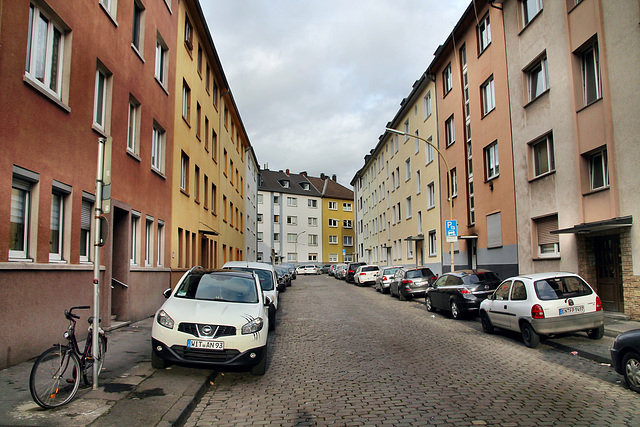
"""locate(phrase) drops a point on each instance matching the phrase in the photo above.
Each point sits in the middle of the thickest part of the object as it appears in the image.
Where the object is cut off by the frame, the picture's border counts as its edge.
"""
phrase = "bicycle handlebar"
(69, 313)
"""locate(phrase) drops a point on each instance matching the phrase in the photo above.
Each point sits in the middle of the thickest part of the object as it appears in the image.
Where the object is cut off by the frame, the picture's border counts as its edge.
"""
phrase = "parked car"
(283, 272)
(292, 269)
(411, 282)
(351, 270)
(384, 279)
(625, 357)
(307, 269)
(213, 318)
(544, 304)
(332, 270)
(365, 275)
(325, 268)
(461, 292)
(341, 272)
(268, 281)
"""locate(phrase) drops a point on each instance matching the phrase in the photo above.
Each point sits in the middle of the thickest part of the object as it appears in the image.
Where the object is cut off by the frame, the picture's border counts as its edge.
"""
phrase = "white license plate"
(572, 310)
(209, 345)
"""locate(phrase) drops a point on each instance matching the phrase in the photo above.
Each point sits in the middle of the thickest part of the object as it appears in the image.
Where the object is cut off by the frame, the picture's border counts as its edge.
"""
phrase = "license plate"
(572, 310)
(208, 345)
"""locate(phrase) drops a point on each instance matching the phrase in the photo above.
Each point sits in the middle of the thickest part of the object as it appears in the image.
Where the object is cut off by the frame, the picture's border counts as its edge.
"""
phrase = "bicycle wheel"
(87, 373)
(55, 377)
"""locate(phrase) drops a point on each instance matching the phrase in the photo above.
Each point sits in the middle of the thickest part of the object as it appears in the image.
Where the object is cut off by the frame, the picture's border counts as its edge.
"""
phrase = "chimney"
(322, 176)
(334, 177)
(304, 173)
(287, 172)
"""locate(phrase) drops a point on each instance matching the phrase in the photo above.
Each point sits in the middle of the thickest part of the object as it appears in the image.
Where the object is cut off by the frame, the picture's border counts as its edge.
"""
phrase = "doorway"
(609, 272)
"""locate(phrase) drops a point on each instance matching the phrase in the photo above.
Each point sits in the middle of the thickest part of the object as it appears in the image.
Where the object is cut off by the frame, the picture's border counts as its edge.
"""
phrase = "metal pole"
(96, 263)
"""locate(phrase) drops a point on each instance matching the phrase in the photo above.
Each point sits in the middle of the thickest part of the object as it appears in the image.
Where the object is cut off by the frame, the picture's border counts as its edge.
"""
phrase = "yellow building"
(209, 146)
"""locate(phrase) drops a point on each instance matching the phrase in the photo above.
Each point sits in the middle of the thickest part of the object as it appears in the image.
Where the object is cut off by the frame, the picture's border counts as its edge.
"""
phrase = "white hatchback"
(365, 275)
(215, 319)
(544, 304)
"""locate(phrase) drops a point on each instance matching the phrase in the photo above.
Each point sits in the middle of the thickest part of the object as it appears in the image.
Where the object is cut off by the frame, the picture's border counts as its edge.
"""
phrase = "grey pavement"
(131, 392)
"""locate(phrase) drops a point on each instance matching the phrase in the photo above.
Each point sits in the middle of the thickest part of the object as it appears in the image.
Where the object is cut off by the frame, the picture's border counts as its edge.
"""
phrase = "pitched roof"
(331, 189)
(276, 181)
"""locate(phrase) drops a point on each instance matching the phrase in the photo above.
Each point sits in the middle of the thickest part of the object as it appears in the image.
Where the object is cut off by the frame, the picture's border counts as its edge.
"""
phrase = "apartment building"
(289, 218)
(575, 141)
(475, 137)
(208, 204)
(338, 227)
(252, 171)
(397, 192)
(71, 75)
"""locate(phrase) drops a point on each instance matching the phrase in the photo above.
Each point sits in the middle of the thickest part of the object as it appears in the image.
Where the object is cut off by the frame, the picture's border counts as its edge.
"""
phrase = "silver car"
(384, 278)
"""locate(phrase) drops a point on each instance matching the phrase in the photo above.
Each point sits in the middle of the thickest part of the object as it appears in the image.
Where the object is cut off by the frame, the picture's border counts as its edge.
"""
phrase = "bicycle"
(55, 376)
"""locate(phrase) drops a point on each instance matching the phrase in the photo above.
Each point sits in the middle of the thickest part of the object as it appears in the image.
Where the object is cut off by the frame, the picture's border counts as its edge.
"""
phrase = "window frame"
(592, 47)
(450, 131)
(526, 19)
(133, 126)
(158, 148)
(540, 76)
(603, 166)
(547, 141)
(162, 61)
(447, 79)
(102, 99)
(484, 34)
(487, 90)
(492, 161)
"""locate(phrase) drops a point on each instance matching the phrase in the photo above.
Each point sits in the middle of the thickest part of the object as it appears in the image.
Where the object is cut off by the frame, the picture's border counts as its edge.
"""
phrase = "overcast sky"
(316, 81)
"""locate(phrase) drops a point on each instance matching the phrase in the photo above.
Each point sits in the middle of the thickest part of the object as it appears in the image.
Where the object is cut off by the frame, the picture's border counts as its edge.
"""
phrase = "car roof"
(460, 273)
(539, 276)
(248, 264)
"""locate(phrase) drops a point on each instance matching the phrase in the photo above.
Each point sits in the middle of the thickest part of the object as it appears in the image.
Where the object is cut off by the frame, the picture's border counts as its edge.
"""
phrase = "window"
(418, 184)
(199, 59)
(428, 152)
(214, 200)
(102, 99)
(196, 184)
(406, 130)
(398, 176)
(276, 237)
(591, 74)
(530, 8)
(313, 240)
(537, 79)
(488, 96)
(260, 199)
(198, 119)
(431, 195)
(110, 6)
(137, 36)
(45, 52)
(312, 203)
(494, 231)
(57, 227)
(188, 34)
(285, 183)
(305, 186)
(160, 244)
(347, 207)
(333, 257)
(333, 239)
(491, 160)
(408, 208)
(410, 249)
(333, 222)
(433, 248)
(276, 200)
(454, 179)
(447, 79)
(135, 243)
(20, 218)
(85, 228)
(548, 244)
(162, 61)
(148, 242)
(186, 101)
(427, 105)
(292, 201)
(407, 170)
(599, 169)
(276, 219)
(133, 133)
(484, 34)
(347, 240)
(184, 173)
(313, 221)
(333, 206)
(543, 157)
(450, 132)
(259, 236)
(292, 220)
(158, 144)
(347, 223)
(206, 191)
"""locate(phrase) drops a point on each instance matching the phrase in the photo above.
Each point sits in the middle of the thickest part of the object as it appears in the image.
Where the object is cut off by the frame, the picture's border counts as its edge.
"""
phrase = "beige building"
(397, 192)
(574, 115)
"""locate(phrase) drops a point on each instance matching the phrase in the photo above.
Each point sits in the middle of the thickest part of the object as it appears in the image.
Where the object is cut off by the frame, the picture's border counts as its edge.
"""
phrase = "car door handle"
(505, 306)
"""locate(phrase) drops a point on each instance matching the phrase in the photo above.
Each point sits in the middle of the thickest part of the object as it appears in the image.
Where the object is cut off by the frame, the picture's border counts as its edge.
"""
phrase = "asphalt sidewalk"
(131, 392)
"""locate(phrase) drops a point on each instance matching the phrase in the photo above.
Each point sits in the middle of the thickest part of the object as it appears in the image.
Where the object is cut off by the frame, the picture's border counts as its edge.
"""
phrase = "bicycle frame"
(70, 335)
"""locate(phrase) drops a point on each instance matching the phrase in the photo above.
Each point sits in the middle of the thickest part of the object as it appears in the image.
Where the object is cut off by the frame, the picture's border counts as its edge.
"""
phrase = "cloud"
(317, 81)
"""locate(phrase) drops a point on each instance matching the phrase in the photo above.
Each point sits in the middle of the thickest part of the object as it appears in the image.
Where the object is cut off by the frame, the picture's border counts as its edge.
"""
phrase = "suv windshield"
(421, 272)
(266, 279)
(561, 287)
(218, 287)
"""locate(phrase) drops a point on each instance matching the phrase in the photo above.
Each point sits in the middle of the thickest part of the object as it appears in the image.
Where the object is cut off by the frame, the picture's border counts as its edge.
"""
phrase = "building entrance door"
(609, 272)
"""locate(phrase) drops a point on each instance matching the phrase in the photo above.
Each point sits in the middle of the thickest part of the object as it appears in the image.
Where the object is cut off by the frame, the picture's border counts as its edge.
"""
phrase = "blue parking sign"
(451, 227)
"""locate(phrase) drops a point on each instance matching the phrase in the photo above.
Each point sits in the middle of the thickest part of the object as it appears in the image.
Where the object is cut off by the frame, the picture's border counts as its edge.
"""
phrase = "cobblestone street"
(345, 355)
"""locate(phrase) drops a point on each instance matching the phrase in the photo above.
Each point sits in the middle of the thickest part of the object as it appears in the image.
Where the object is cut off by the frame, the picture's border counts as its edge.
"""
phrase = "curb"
(191, 405)
(581, 353)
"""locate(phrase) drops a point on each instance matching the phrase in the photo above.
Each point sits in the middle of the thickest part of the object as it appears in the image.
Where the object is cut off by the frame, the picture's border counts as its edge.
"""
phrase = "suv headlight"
(164, 319)
(253, 326)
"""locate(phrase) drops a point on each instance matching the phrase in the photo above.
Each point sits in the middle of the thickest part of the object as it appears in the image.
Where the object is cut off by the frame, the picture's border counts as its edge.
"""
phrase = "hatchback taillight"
(537, 312)
(407, 282)
(465, 291)
(598, 303)
(363, 274)
(384, 277)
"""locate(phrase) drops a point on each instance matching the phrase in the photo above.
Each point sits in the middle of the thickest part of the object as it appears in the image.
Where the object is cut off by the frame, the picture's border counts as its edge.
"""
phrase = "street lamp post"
(450, 182)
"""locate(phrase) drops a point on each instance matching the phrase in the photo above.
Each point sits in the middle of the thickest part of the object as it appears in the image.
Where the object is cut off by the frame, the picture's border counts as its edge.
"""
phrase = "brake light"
(537, 312)
(407, 282)
(598, 303)
(363, 274)
(465, 291)
(384, 277)
(351, 271)
(434, 278)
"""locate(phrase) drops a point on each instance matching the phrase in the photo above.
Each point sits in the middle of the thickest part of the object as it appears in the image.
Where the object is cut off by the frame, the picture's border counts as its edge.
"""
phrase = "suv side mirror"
(167, 293)
(267, 301)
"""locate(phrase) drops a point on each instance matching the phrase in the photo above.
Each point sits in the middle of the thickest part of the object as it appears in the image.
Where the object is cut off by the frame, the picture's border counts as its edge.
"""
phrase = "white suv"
(365, 275)
(213, 318)
(268, 281)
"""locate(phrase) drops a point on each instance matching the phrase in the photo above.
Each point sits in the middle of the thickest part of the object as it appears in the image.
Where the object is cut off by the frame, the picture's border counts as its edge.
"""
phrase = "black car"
(351, 269)
(625, 357)
(408, 283)
(286, 276)
(292, 269)
(461, 292)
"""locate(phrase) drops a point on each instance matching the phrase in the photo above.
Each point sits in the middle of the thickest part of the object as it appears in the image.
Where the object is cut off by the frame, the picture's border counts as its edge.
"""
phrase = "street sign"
(451, 229)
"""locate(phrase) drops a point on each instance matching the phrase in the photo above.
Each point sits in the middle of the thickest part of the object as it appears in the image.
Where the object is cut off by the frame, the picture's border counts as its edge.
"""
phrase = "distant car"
(625, 356)
(332, 270)
(544, 304)
(341, 272)
(292, 269)
(411, 282)
(325, 268)
(365, 275)
(461, 291)
(307, 269)
(213, 318)
(384, 279)
(286, 277)
(351, 270)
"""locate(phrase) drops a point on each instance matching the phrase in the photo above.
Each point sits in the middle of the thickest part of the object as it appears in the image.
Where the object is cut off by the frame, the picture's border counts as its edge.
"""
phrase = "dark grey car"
(410, 283)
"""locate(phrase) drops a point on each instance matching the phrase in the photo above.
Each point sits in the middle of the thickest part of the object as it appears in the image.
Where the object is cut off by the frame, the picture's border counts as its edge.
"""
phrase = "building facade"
(251, 205)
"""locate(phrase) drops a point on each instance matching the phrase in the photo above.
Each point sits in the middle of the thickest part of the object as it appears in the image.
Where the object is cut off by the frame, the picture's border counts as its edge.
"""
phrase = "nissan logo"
(207, 330)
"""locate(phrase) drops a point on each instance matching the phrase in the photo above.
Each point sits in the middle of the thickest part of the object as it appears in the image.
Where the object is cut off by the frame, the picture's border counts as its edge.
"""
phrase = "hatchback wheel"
(596, 333)
(427, 302)
(529, 336)
(487, 326)
(455, 310)
(631, 363)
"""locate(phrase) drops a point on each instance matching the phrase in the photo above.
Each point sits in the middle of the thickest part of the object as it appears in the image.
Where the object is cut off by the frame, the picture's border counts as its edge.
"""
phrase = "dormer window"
(305, 186)
(285, 183)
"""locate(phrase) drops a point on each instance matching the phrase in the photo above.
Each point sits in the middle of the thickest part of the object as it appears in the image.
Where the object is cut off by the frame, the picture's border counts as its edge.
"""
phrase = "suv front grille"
(196, 329)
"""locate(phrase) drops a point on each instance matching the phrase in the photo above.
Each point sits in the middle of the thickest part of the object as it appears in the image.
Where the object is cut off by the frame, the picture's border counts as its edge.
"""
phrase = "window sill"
(35, 84)
(546, 258)
(184, 192)
(589, 104)
(166, 91)
(530, 21)
(486, 48)
(186, 121)
(134, 155)
(157, 172)
(598, 190)
(543, 93)
(108, 12)
(544, 175)
(99, 131)
(135, 49)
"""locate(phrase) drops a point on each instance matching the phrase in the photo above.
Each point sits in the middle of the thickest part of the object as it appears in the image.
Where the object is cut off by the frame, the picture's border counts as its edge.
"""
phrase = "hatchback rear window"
(488, 276)
(561, 288)
(421, 272)
(389, 271)
(372, 268)
(212, 287)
